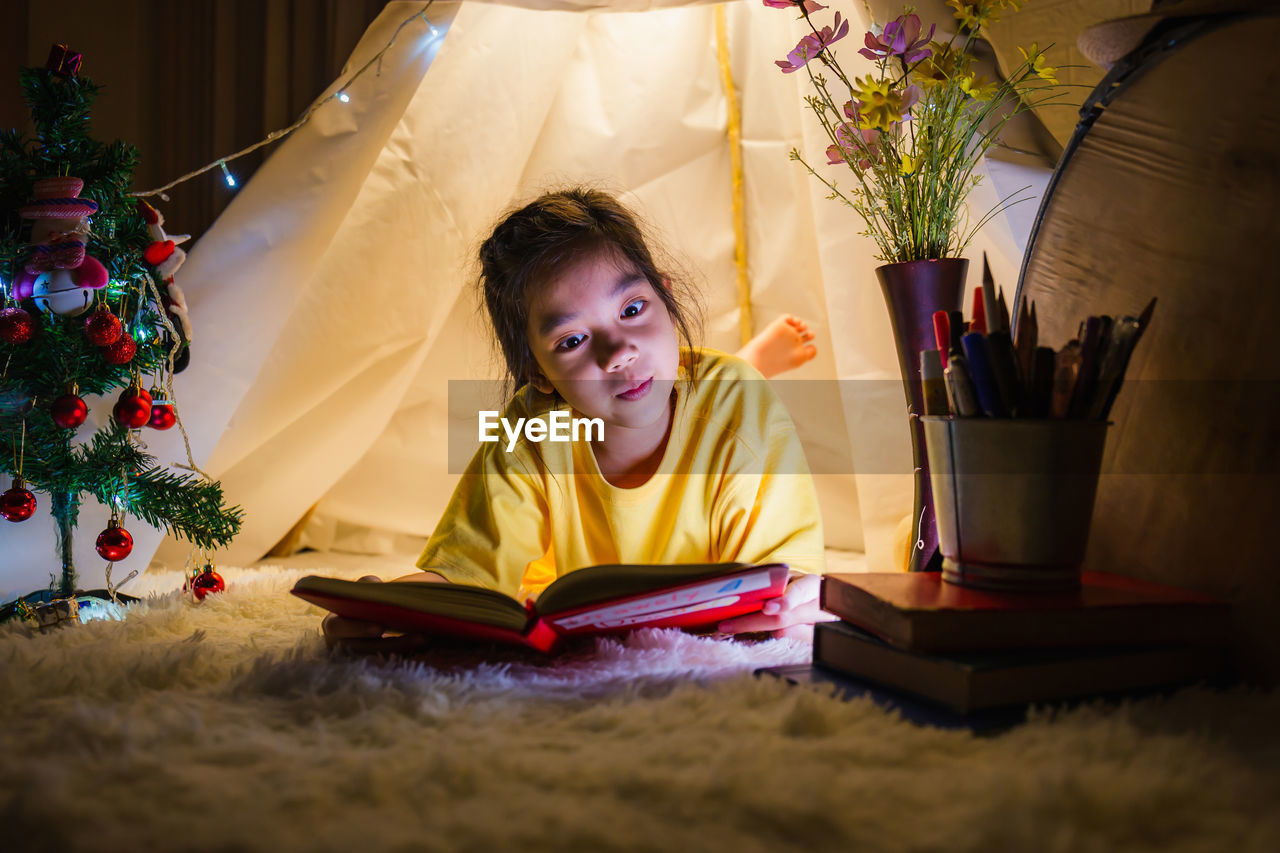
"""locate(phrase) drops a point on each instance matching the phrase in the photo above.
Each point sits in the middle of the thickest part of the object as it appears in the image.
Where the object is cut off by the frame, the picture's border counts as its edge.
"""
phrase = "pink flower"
(809, 6)
(910, 96)
(901, 37)
(859, 148)
(812, 45)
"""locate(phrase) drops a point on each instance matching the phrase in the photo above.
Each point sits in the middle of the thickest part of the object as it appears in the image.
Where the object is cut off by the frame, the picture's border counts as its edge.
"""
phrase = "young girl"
(698, 461)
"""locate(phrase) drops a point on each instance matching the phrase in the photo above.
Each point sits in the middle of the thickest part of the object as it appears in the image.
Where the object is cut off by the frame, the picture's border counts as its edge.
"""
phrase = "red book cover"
(920, 611)
(594, 600)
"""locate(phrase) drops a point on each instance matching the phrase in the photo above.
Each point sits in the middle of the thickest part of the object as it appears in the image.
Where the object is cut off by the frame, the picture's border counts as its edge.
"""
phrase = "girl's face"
(604, 340)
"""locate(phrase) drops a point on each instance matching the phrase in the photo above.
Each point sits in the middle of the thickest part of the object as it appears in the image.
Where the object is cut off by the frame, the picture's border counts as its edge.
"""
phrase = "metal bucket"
(1014, 499)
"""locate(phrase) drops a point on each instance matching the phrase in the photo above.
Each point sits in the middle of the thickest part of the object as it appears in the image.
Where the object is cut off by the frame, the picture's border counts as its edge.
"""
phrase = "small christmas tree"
(89, 308)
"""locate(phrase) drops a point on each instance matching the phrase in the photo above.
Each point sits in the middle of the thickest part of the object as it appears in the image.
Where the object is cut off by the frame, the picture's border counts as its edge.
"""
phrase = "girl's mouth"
(638, 391)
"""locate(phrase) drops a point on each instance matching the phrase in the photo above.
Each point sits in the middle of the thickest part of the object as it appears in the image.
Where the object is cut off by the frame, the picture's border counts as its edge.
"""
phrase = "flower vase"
(913, 291)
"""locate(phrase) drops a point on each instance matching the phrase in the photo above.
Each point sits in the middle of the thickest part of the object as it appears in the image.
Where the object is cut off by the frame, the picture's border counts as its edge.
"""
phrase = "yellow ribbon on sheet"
(735, 165)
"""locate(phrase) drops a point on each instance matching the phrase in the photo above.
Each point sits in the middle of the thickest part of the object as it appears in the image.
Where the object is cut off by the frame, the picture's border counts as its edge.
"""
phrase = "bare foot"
(783, 345)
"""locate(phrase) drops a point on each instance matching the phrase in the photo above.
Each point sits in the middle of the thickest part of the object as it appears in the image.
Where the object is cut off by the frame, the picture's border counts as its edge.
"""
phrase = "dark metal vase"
(913, 290)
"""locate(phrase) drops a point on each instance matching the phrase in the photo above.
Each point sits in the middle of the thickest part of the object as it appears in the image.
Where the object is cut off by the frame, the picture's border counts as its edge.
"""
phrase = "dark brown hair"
(531, 243)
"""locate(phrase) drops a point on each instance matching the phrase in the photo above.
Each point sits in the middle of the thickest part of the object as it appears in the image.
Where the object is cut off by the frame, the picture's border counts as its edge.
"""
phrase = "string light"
(339, 95)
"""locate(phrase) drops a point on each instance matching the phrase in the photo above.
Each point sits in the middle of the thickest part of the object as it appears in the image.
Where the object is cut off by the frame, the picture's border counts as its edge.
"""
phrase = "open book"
(592, 600)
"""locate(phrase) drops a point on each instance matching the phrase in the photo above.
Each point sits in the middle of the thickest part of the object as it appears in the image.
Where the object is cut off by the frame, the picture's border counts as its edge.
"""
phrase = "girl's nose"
(617, 354)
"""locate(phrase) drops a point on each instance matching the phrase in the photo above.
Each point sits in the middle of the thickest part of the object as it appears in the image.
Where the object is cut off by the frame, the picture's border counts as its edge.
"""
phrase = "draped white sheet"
(333, 302)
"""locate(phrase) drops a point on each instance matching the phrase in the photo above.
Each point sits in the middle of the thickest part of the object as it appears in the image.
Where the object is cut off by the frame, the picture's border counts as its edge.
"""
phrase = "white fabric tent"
(333, 299)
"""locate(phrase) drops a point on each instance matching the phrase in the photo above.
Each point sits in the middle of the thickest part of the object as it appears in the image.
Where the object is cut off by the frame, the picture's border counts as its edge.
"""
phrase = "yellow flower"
(978, 15)
(941, 66)
(1034, 57)
(977, 87)
(878, 105)
(907, 165)
(968, 14)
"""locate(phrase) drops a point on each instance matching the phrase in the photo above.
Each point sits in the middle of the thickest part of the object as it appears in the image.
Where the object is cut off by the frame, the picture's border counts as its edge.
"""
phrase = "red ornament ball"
(16, 326)
(206, 582)
(120, 352)
(68, 411)
(17, 504)
(103, 328)
(133, 409)
(114, 543)
(162, 416)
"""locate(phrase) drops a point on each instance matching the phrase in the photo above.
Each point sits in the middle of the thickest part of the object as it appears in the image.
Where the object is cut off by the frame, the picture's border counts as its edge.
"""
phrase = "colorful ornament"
(57, 292)
(16, 326)
(133, 409)
(68, 411)
(122, 351)
(114, 543)
(63, 60)
(58, 273)
(18, 503)
(164, 254)
(163, 415)
(205, 582)
(102, 328)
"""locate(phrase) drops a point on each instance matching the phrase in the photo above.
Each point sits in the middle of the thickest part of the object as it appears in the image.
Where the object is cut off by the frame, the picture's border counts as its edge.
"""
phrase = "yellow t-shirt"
(733, 486)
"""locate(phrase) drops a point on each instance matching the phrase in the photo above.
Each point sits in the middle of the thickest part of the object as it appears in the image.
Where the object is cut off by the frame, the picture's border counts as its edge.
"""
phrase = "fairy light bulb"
(431, 28)
(226, 173)
(343, 96)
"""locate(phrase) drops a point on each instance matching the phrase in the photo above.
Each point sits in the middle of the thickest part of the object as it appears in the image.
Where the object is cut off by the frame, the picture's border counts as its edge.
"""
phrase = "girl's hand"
(791, 614)
(338, 629)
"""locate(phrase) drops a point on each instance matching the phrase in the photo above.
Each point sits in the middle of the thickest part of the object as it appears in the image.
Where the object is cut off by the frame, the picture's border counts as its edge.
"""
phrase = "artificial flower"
(812, 45)
(977, 87)
(922, 117)
(901, 37)
(809, 7)
(966, 13)
(942, 64)
(880, 105)
(857, 147)
(1036, 62)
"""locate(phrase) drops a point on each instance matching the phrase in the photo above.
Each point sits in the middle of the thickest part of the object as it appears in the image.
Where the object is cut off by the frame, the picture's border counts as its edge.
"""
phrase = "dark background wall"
(187, 81)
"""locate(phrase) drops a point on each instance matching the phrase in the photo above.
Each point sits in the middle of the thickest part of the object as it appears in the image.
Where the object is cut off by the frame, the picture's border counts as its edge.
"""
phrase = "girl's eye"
(571, 342)
(633, 308)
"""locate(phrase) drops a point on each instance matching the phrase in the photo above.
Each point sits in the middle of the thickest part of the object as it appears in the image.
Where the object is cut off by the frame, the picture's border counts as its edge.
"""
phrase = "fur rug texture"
(226, 726)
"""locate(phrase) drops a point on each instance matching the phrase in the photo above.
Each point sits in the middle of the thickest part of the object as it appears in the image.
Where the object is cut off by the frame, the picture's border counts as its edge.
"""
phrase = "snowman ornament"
(58, 274)
(166, 256)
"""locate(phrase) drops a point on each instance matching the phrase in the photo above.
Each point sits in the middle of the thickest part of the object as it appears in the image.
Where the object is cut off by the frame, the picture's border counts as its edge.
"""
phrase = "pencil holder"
(1014, 498)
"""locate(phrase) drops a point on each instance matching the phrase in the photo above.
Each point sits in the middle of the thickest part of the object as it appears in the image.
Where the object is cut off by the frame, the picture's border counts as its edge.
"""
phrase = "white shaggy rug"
(225, 726)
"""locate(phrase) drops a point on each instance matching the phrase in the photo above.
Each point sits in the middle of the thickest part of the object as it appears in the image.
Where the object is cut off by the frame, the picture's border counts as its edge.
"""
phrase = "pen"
(1092, 345)
(964, 402)
(1066, 368)
(1004, 363)
(942, 331)
(991, 314)
(979, 321)
(932, 383)
(977, 349)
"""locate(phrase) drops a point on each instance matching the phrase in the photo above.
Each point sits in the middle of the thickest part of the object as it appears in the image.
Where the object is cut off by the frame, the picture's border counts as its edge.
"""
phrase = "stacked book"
(970, 649)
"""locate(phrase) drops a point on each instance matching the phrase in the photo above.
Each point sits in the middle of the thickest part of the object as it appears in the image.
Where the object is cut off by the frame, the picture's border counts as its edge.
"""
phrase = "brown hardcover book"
(918, 611)
(972, 681)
